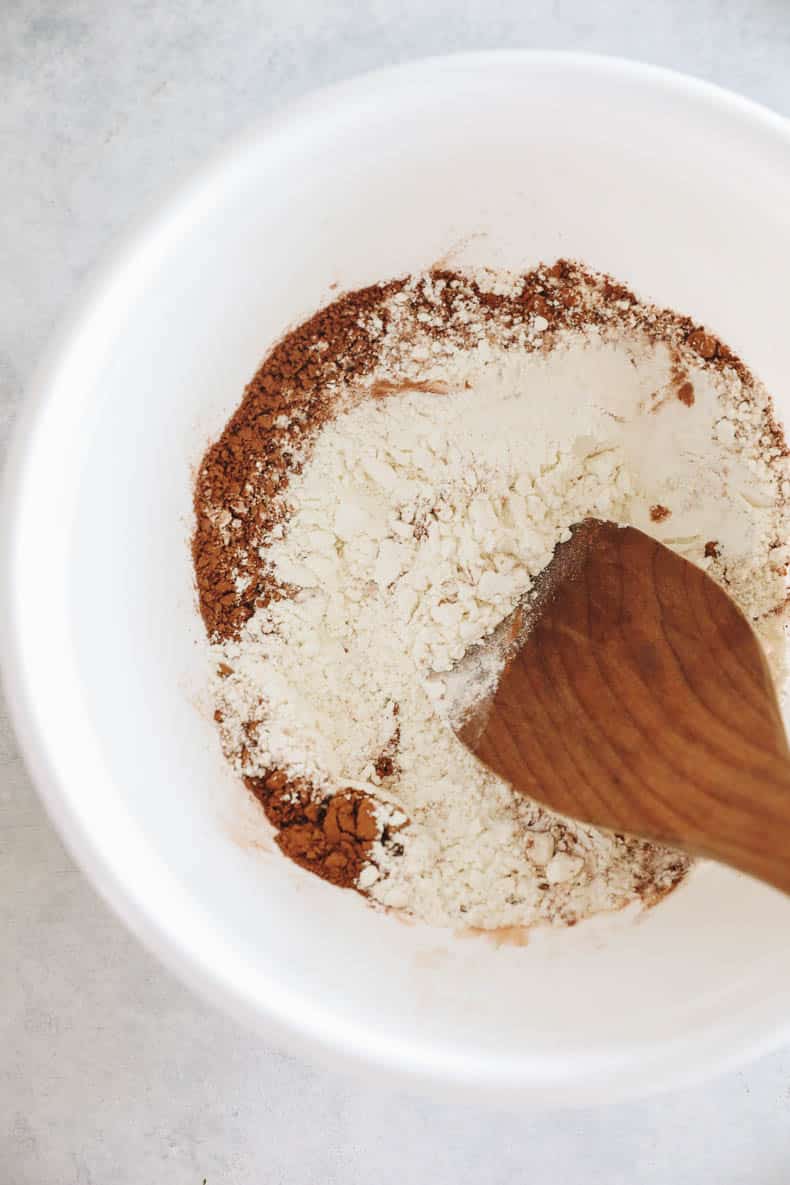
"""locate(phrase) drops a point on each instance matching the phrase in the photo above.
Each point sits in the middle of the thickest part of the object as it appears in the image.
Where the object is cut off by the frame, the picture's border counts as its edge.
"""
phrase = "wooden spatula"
(641, 702)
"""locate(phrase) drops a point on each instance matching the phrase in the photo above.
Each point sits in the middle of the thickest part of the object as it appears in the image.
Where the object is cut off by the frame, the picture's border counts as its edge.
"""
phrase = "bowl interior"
(674, 188)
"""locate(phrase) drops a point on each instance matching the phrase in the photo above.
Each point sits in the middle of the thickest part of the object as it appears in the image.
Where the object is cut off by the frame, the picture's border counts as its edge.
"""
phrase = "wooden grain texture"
(641, 702)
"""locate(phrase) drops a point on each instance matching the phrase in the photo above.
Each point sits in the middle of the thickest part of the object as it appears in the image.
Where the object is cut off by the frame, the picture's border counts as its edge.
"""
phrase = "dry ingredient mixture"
(396, 478)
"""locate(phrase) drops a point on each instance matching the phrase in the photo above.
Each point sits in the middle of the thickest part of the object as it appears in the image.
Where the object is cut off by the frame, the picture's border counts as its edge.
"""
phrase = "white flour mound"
(417, 524)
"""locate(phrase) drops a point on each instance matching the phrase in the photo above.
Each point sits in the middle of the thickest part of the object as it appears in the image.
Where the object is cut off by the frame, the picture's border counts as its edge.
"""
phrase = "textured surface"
(110, 1071)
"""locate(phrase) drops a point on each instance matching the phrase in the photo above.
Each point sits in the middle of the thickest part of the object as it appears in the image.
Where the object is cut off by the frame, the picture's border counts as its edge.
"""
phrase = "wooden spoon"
(641, 702)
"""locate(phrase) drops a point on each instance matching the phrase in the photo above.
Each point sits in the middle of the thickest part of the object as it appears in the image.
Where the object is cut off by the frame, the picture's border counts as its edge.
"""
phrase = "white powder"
(417, 524)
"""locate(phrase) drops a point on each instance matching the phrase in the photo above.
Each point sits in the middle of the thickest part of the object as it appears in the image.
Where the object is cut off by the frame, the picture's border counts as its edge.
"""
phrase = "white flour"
(417, 524)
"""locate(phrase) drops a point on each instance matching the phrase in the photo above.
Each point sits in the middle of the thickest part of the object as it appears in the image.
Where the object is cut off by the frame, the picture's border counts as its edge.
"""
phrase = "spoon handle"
(756, 841)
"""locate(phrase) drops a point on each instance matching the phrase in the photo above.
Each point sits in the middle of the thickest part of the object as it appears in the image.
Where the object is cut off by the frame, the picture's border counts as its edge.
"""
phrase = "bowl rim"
(675, 1064)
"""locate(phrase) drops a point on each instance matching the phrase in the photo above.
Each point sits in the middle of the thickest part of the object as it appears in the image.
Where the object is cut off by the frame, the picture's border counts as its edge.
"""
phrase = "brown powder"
(658, 513)
(704, 343)
(243, 479)
(240, 495)
(331, 838)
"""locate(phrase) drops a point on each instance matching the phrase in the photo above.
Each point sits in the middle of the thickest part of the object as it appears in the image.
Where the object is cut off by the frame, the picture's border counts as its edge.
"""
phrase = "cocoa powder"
(243, 479)
(240, 495)
(686, 393)
(331, 838)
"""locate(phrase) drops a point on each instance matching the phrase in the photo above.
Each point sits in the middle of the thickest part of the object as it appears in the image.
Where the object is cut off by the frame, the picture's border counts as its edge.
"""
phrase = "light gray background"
(110, 1073)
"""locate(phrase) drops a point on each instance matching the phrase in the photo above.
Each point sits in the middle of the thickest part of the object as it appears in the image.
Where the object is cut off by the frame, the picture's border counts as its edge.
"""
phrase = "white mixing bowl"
(681, 190)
